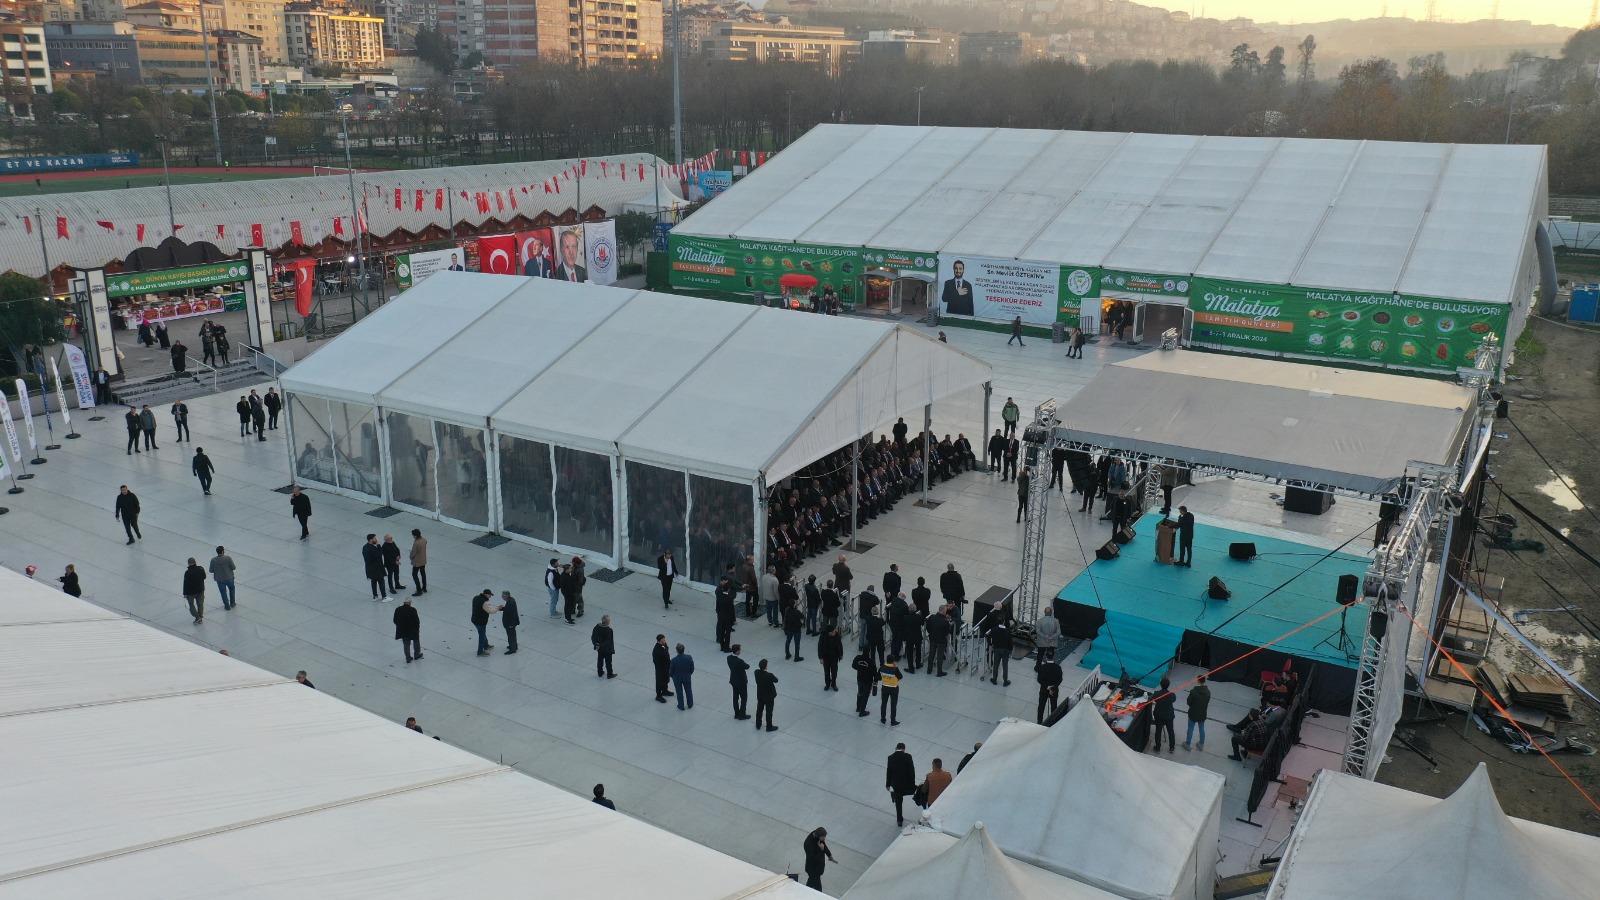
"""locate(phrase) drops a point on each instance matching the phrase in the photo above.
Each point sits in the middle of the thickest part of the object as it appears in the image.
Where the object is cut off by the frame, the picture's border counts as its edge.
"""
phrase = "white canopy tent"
(137, 760)
(1076, 801)
(932, 865)
(1349, 429)
(599, 420)
(1359, 839)
(1438, 220)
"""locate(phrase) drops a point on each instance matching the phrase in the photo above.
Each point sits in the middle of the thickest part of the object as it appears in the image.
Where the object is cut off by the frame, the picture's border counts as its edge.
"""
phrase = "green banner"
(127, 284)
(233, 302)
(1364, 327)
(1078, 284)
(901, 260)
(737, 266)
(1113, 281)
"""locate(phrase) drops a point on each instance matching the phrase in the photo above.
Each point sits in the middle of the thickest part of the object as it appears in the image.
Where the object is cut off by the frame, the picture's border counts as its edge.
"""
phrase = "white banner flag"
(11, 428)
(61, 395)
(79, 365)
(27, 415)
(601, 239)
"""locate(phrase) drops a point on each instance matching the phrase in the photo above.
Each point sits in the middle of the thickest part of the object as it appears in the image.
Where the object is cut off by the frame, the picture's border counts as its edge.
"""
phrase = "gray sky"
(1572, 13)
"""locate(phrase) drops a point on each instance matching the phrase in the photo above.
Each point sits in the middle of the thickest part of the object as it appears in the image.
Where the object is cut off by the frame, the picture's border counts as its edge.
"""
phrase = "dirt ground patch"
(1549, 461)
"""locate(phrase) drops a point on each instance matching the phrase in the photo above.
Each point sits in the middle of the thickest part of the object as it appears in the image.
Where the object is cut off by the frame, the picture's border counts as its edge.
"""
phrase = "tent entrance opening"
(1142, 320)
(889, 293)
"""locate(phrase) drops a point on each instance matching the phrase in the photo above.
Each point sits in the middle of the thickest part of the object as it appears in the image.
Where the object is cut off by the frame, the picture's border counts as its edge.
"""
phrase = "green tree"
(634, 229)
(433, 49)
(26, 317)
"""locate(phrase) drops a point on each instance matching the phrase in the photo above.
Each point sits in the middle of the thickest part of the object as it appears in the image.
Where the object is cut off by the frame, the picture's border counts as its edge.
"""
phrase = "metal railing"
(202, 366)
(265, 362)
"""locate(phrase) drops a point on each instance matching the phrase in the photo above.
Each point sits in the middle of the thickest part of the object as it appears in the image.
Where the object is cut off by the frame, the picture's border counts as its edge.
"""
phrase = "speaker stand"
(1342, 642)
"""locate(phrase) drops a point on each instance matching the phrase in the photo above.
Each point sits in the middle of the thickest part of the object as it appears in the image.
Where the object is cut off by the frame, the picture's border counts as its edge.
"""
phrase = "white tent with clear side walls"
(1073, 799)
(931, 865)
(137, 760)
(1359, 839)
(601, 421)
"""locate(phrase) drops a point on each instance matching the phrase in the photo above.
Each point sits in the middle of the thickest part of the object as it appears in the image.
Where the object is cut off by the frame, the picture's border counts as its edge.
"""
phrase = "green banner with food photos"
(738, 266)
(1365, 327)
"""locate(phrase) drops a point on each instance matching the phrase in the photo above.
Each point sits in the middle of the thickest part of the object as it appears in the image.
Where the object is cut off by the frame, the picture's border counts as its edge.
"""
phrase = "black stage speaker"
(1241, 551)
(1306, 500)
(1348, 585)
(1378, 624)
(1217, 590)
(1124, 536)
(1109, 551)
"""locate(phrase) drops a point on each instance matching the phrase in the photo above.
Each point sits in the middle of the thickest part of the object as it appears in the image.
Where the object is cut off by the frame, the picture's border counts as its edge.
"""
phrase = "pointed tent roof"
(931, 865)
(1086, 805)
(1414, 846)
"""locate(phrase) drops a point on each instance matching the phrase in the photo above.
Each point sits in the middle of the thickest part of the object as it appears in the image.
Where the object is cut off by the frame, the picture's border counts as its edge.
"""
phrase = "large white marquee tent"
(932, 865)
(598, 420)
(1074, 800)
(1360, 839)
(141, 766)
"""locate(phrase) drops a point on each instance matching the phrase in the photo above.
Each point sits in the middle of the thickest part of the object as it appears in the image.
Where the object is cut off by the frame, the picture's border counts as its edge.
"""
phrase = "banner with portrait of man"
(998, 289)
(571, 255)
(536, 253)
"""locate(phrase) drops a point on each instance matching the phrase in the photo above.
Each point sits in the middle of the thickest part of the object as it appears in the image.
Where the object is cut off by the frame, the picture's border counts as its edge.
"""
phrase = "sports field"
(21, 185)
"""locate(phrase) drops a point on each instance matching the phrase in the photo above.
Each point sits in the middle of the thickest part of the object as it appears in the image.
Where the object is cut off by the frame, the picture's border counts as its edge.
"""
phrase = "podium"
(1166, 541)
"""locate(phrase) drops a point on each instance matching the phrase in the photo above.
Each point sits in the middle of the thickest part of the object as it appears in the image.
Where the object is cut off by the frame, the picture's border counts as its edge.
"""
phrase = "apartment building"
(99, 49)
(586, 32)
(26, 76)
(760, 42)
(324, 35)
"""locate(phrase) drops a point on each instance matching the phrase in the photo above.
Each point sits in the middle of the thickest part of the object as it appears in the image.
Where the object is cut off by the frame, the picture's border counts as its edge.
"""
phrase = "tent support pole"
(855, 489)
(927, 439)
(983, 439)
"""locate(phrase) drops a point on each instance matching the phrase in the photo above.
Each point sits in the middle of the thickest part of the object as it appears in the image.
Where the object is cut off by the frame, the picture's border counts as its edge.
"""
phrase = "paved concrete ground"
(304, 605)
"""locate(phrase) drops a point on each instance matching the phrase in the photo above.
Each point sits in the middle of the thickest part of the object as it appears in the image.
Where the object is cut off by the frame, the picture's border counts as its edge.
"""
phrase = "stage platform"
(1148, 608)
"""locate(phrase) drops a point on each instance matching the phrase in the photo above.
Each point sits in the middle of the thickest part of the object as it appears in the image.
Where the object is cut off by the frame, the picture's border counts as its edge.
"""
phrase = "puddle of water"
(1560, 494)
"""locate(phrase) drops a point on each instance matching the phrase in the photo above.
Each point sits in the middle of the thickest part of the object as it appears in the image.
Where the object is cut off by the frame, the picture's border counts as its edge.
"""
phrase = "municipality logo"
(1079, 283)
(403, 270)
(603, 255)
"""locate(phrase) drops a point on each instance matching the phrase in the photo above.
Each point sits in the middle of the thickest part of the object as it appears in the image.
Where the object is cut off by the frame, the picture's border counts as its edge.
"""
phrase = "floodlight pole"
(855, 489)
(677, 94)
(166, 179)
(211, 86)
(355, 218)
(919, 91)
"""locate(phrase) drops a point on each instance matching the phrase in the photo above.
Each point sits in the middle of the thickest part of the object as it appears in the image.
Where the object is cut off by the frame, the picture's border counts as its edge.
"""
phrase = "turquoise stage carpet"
(1149, 606)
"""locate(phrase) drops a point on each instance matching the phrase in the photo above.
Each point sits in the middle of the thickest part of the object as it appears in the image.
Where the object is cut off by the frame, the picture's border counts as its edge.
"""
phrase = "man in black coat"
(243, 409)
(509, 620)
(203, 469)
(953, 589)
(794, 622)
(830, 649)
(900, 780)
(300, 508)
(274, 404)
(194, 590)
(866, 677)
(1000, 645)
(817, 857)
(131, 419)
(127, 509)
(372, 559)
(766, 694)
(891, 582)
(666, 573)
(1050, 676)
(997, 449)
(727, 612)
(737, 668)
(1185, 536)
(604, 642)
(391, 563)
(938, 627)
(662, 657)
(408, 630)
(482, 605)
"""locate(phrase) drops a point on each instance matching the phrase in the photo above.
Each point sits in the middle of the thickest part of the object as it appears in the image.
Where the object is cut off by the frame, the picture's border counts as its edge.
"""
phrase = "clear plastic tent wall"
(139, 765)
(602, 421)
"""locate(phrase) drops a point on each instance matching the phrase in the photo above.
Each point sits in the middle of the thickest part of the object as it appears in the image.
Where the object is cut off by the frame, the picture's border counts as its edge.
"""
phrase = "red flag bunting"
(641, 171)
(27, 223)
(61, 227)
(438, 199)
(499, 202)
(397, 200)
(257, 236)
(514, 198)
(106, 225)
(140, 233)
(294, 233)
(420, 194)
(338, 226)
(303, 270)
(583, 167)
(222, 232)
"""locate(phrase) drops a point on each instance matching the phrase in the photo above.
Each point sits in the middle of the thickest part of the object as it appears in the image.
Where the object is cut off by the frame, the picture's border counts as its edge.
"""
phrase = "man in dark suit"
(569, 270)
(737, 668)
(666, 572)
(455, 263)
(681, 668)
(605, 646)
(538, 265)
(957, 294)
(127, 509)
(900, 780)
(766, 694)
(1185, 536)
(509, 620)
(662, 657)
(891, 582)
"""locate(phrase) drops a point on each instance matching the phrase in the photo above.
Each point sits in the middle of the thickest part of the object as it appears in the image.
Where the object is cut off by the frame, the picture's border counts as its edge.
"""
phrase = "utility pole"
(1511, 97)
(211, 85)
(677, 93)
(919, 103)
(166, 178)
(788, 131)
(355, 216)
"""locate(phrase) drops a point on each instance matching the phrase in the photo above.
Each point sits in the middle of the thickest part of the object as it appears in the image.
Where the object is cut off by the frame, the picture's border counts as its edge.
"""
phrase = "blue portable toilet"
(1585, 304)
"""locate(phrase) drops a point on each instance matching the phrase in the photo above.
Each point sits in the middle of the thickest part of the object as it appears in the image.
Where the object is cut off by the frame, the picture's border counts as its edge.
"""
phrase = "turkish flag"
(109, 226)
(438, 198)
(294, 232)
(222, 232)
(61, 227)
(641, 178)
(498, 255)
(257, 237)
(398, 202)
(140, 235)
(420, 194)
(514, 198)
(499, 202)
(583, 167)
(338, 226)
(305, 271)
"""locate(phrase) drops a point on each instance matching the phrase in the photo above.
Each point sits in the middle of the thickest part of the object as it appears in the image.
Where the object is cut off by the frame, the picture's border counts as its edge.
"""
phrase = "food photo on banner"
(744, 267)
(536, 253)
(570, 257)
(998, 289)
(600, 239)
(1390, 329)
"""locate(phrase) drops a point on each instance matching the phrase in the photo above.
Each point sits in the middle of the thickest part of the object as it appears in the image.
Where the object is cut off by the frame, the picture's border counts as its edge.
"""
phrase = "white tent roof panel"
(857, 220)
(1358, 839)
(469, 376)
(27, 607)
(1437, 220)
(645, 352)
(397, 337)
(736, 411)
(1268, 233)
(932, 865)
(1352, 429)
